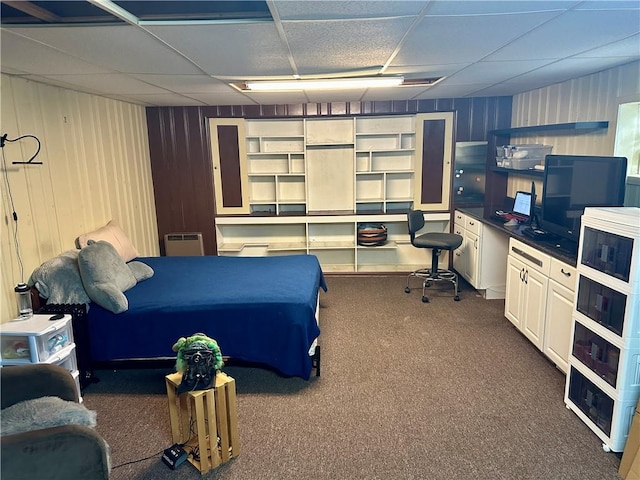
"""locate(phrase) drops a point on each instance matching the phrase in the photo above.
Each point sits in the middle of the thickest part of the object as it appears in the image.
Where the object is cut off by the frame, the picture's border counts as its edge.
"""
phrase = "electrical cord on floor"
(194, 450)
(139, 460)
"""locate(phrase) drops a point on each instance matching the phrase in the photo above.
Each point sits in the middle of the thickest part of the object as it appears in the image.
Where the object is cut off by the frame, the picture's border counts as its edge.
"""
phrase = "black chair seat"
(444, 241)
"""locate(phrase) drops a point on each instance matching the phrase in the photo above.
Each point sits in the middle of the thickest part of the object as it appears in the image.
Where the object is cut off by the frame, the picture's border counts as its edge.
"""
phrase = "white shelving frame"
(332, 238)
(276, 169)
(623, 222)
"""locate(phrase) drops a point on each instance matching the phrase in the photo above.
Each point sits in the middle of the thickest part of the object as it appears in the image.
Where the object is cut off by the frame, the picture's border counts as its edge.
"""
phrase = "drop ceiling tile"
(449, 91)
(232, 49)
(232, 98)
(322, 96)
(493, 7)
(297, 10)
(425, 71)
(609, 5)
(111, 83)
(343, 46)
(26, 55)
(570, 34)
(277, 98)
(59, 82)
(11, 71)
(572, 68)
(615, 49)
(162, 100)
(464, 39)
(493, 72)
(185, 83)
(500, 90)
(400, 93)
(127, 49)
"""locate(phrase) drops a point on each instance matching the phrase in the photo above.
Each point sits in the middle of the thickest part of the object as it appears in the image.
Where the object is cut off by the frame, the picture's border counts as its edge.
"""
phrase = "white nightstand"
(39, 340)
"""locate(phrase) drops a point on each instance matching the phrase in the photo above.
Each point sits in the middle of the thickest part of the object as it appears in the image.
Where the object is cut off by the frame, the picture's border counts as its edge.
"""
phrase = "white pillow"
(113, 234)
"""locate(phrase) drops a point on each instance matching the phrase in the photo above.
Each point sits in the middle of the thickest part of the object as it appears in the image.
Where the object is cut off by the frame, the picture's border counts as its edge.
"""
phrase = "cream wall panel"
(96, 169)
(590, 98)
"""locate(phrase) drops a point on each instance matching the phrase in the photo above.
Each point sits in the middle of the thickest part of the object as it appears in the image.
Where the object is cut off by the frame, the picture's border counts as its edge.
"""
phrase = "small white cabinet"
(539, 299)
(38, 339)
(560, 295)
(481, 259)
(526, 298)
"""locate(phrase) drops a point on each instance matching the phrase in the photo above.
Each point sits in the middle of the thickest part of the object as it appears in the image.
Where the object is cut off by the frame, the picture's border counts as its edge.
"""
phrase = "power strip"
(174, 456)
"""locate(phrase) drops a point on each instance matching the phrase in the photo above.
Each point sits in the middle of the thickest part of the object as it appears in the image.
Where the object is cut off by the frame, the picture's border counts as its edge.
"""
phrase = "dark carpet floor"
(445, 390)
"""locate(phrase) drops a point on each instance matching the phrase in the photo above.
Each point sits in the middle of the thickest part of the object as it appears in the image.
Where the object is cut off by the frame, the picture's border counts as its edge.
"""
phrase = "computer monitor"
(573, 182)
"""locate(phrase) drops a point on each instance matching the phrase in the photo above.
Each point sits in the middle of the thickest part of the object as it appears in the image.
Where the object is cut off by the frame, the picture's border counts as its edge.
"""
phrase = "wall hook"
(4, 139)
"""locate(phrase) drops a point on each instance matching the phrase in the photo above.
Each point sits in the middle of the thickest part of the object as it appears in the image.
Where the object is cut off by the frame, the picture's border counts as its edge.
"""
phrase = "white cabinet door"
(514, 292)
(557, 332)
(533, 305)
(525, 299)
(434, 161)
(473, 258)
(230, 180)
(459, 254)
(330, 165)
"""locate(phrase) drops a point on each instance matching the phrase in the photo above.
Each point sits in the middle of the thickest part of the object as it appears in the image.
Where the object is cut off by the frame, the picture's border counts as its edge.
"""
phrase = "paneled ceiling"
(162, 53)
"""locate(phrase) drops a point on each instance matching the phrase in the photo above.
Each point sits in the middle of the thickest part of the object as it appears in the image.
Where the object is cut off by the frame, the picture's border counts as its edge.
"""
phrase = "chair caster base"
(407, 290)
(456, 298)
(425, 300)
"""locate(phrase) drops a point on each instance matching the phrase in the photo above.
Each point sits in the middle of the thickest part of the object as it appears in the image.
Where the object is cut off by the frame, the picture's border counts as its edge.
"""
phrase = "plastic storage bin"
(35, 340)
(522, 157)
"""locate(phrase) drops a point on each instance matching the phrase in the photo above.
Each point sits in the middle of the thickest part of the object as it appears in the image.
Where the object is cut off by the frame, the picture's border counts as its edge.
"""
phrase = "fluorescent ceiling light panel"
(326, 84)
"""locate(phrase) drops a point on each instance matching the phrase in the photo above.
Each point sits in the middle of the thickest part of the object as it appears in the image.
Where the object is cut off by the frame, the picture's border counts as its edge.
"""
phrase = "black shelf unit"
(497, 177)
(529, 172)
(570, 128)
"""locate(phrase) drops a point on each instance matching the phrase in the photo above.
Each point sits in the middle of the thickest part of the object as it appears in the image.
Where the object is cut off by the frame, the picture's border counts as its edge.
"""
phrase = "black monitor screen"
(572, 182)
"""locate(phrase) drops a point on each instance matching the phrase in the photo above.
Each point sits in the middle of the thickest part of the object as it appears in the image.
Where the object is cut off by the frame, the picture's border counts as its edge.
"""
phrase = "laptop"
(521, 210)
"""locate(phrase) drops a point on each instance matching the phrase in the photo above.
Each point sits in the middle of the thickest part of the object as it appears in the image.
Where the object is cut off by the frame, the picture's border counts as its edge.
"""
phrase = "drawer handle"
(472, 223)
(566, 274)
(527, 256)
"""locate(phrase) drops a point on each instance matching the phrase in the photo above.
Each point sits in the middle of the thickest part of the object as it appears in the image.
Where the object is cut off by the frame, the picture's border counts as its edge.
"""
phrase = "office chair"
(436, 242)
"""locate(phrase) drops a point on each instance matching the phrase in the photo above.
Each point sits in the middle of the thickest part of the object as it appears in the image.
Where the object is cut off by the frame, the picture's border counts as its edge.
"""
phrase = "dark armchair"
(63, 452)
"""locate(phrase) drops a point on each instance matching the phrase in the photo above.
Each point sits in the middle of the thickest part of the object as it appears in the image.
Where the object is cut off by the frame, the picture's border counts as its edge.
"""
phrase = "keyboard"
(509, 216)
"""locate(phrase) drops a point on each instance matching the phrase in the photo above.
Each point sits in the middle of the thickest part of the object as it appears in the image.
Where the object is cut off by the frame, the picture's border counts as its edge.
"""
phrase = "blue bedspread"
(259, 309)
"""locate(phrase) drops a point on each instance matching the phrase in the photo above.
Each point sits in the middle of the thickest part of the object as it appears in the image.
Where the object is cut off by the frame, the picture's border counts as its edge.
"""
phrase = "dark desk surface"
(556, 247)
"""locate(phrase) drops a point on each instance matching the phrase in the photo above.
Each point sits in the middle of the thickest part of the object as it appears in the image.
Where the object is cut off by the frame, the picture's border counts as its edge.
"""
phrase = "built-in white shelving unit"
(303, 185)
(385, 158)
(332, 238)
(276, 166)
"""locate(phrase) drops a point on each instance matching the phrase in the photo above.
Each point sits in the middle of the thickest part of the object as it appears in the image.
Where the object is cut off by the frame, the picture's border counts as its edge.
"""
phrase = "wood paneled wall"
(96, 168)
(181, 157)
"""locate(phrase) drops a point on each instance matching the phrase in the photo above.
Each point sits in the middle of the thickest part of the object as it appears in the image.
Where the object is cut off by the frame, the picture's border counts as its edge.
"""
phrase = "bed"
(260, 310)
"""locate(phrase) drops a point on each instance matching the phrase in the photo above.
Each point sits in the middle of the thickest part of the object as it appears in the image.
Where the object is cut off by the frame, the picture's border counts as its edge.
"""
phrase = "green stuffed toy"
(199, 360)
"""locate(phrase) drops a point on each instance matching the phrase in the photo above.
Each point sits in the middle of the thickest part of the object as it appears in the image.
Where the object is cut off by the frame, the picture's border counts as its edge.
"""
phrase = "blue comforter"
(259, 309)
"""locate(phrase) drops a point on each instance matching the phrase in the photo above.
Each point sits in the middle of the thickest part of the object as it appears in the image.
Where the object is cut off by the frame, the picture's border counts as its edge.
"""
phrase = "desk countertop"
(556, 247)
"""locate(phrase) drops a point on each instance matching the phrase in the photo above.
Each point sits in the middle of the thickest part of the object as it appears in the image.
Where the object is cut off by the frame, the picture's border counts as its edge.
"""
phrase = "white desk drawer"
(562, 273)
(473, 225)
(530, 256)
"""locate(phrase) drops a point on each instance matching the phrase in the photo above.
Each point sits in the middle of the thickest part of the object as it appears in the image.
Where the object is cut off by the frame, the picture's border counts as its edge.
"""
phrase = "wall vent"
(183, 244)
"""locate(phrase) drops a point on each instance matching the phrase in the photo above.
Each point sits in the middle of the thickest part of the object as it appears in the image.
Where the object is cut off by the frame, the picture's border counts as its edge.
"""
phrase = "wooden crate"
(205, 421)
